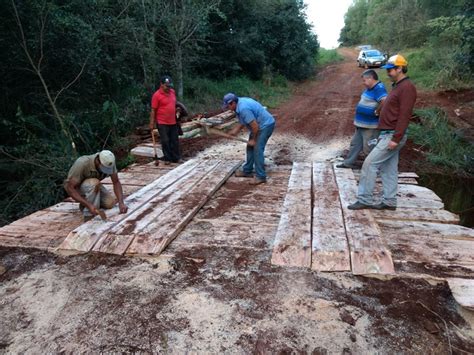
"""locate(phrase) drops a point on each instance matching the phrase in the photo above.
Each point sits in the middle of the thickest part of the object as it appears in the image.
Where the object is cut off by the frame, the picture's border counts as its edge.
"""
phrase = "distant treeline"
(77, 75)
(445, 29)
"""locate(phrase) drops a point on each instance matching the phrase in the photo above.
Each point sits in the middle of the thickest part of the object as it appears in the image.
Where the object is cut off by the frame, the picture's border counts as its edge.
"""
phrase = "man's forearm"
(76, 196)
(118, 192)
(235, 130)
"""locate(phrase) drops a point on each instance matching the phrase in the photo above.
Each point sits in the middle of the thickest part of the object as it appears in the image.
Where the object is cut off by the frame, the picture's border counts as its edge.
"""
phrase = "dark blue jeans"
(169, 142)
(256, 154)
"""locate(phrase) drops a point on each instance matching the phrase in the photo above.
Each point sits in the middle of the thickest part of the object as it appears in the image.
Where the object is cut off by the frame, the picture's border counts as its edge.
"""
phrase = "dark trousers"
(169, 142)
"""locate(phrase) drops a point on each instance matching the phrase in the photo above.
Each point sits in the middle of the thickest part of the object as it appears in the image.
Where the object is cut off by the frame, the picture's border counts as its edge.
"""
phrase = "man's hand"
(93, 209)
(152, 127)
(251, 142)
(123, 207)
(392, 145)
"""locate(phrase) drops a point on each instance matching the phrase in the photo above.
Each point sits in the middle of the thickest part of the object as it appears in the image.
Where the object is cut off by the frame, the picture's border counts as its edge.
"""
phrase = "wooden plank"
(178, 214)
(419, 203)
(411, 181)
(273, 204)
(431, 251)
(280, 182)
(214, 233)
(64, 207)
(84, 237)
(133, 178)
(463, 291)
(409, 214)
(143, 151)
(407, 191)
(292, 245)
(428, 229)
(143, 219)
(31, 239)
(126, 189)
(235, 215)
(330, 251)
(368, 251)
(401, 174)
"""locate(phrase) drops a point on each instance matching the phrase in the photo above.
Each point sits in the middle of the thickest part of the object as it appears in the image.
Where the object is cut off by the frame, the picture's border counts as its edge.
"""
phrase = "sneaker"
(344, 166)
(258, 181)
(240, 173)
(359, 206)
(383, 206)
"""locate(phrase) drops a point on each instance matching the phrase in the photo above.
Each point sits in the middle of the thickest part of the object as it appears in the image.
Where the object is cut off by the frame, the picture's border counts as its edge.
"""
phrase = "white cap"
(107, 162)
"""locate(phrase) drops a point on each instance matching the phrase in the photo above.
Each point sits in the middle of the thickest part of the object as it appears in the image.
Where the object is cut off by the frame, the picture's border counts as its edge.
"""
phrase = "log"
(198, 132)
(330, 251)
(369, 253)
(292, 245)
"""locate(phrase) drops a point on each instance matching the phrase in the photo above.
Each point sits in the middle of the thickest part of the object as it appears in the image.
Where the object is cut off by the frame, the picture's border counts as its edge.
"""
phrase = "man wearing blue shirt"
(260, 123)
(366, 118)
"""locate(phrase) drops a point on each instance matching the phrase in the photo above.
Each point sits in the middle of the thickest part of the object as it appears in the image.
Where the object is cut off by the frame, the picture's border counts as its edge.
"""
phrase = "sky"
(327, 17)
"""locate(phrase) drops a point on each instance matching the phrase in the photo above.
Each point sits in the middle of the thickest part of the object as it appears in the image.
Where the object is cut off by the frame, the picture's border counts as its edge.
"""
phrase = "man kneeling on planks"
(83, 184)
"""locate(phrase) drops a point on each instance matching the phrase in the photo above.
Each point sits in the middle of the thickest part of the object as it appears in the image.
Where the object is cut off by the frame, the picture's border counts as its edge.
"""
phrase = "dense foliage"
(78, 75)
(444, 30)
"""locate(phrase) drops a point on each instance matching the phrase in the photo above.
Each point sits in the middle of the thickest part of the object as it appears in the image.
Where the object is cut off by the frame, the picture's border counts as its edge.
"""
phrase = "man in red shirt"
(163, 112)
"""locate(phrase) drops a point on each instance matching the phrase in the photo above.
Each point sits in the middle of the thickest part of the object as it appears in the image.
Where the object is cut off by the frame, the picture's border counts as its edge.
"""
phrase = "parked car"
(371, 58)
(364, 47)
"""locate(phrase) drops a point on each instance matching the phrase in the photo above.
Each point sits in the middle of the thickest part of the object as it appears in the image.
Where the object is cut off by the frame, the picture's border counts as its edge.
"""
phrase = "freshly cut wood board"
(330, 251)
(463, 291)
(292, 245)
(178, 214)
(85, 236)
(369, 253)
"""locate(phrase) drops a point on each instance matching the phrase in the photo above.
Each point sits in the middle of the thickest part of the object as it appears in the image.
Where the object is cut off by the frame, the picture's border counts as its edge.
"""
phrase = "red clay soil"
(323, 109)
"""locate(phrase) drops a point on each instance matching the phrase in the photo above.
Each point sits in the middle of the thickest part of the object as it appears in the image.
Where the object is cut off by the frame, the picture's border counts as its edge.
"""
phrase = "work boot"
(240, 173)
(359, 206)
(384, 206)
(258, 181)
(344, 166)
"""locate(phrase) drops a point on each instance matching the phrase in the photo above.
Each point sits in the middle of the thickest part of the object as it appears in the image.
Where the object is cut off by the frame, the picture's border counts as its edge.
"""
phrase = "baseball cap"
(166, 79)
(228, 98)
(107, 162)
(395, 61)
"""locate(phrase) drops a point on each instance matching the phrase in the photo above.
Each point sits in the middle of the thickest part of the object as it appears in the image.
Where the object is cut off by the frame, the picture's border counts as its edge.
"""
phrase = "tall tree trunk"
(179, 70)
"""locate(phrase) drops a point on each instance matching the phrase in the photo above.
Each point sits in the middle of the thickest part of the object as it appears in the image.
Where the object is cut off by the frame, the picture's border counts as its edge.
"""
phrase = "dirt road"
(230, 299)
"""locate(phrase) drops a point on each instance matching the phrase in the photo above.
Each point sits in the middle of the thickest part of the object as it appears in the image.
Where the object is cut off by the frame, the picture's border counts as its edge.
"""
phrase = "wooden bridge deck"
(300, 218)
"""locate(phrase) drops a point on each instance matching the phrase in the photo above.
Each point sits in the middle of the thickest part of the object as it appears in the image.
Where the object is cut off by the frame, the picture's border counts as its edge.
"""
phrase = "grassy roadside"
(445, 148)
(205, 94)
(327, 56)
(202, 94)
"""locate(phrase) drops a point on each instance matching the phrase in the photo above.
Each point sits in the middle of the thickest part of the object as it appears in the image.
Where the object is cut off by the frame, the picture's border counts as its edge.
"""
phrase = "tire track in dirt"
(322, 109)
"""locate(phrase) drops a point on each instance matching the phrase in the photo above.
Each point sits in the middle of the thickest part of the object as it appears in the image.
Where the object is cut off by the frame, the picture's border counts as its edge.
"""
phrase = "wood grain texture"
(369, 253)
(292, 244)
(330, 250)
